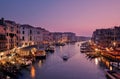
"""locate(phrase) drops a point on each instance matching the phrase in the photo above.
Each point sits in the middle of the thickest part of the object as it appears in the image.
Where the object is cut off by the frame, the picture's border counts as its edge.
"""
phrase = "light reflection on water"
(96, 61)
(77, 66)
(33, 72)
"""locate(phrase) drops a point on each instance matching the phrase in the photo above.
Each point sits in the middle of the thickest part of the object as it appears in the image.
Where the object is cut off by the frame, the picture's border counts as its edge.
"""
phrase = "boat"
(112, 74)
(65, 58)
(28, 62)
(41, 54)
(60, 44)
(85, 47)
(50, 49)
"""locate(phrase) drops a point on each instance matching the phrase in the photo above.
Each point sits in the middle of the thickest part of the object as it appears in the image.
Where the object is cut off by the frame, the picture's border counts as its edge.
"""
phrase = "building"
(38, 36)
(71, 37)
(46, 36)
(116, 36)
(107, 37)
(82, 38)
(42, 36)
(57, 37)
(3, 40)
(27, 35)
(12, 34)
(64, 37)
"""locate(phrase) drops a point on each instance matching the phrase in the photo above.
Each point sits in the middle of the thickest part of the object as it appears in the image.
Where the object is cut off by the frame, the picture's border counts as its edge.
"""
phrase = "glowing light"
(13, 62)
(114, 43)
(107, 49)
(110, 67)
(2, 53)
(96, 49)
(10, 57)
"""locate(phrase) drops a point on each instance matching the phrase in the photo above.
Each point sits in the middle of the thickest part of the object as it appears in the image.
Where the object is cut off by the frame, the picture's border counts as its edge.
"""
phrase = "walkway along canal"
(77, 66)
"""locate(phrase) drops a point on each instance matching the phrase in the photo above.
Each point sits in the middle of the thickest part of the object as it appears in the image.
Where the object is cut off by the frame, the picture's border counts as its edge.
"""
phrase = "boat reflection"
(40, 63)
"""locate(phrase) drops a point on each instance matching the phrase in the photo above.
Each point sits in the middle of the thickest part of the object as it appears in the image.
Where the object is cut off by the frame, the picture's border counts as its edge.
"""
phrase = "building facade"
(3, 40)
(12, 34)
(71, 37)
(64, 37)
(27, 35)
(107, 37)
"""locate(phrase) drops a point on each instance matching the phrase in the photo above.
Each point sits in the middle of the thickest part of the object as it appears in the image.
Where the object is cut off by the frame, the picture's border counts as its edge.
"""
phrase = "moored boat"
(50, 49)
(85, 47)
(112, 74)
(59, 44)
(41, 54)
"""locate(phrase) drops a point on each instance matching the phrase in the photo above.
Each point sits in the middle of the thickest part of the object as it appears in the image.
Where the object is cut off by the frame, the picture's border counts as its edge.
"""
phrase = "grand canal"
(78, 66)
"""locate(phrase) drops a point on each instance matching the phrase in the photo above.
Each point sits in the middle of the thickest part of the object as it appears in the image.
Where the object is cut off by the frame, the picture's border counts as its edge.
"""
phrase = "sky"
(79, 16)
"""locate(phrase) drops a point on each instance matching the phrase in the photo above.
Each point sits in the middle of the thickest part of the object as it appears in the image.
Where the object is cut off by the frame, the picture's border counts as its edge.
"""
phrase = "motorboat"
(65, 58)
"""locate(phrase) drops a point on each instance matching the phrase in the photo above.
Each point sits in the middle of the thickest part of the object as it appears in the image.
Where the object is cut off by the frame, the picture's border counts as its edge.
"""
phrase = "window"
(7, 34)
(30, 31)
(30, 38)
(17, 31)
(23, 32)
(23, 38)
(12, 29)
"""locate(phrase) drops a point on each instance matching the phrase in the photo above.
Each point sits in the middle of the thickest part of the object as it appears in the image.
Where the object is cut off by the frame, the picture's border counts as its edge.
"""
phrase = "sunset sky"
(79, 16)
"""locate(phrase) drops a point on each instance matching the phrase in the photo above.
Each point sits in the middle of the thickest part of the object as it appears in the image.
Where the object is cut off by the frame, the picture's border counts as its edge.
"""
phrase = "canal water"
(78, 66)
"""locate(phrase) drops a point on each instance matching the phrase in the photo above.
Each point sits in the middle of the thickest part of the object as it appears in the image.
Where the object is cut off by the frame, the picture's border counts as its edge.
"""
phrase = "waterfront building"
(82, 38)
(38, 35)
(42, 36)
(103, 37)
(71, 37)
(57, 37)
(3, 40)
(116, 35)
(63, 37)
(33, 35)
(107, 37)
(27, 35)
(12, 34)
(46, 36)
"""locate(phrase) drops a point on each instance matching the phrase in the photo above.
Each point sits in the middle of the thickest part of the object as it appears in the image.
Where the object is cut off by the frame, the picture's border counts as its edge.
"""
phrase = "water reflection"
(78, 67)
(33, 72)
(106, 63)
(96, 61)
(40, 63)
